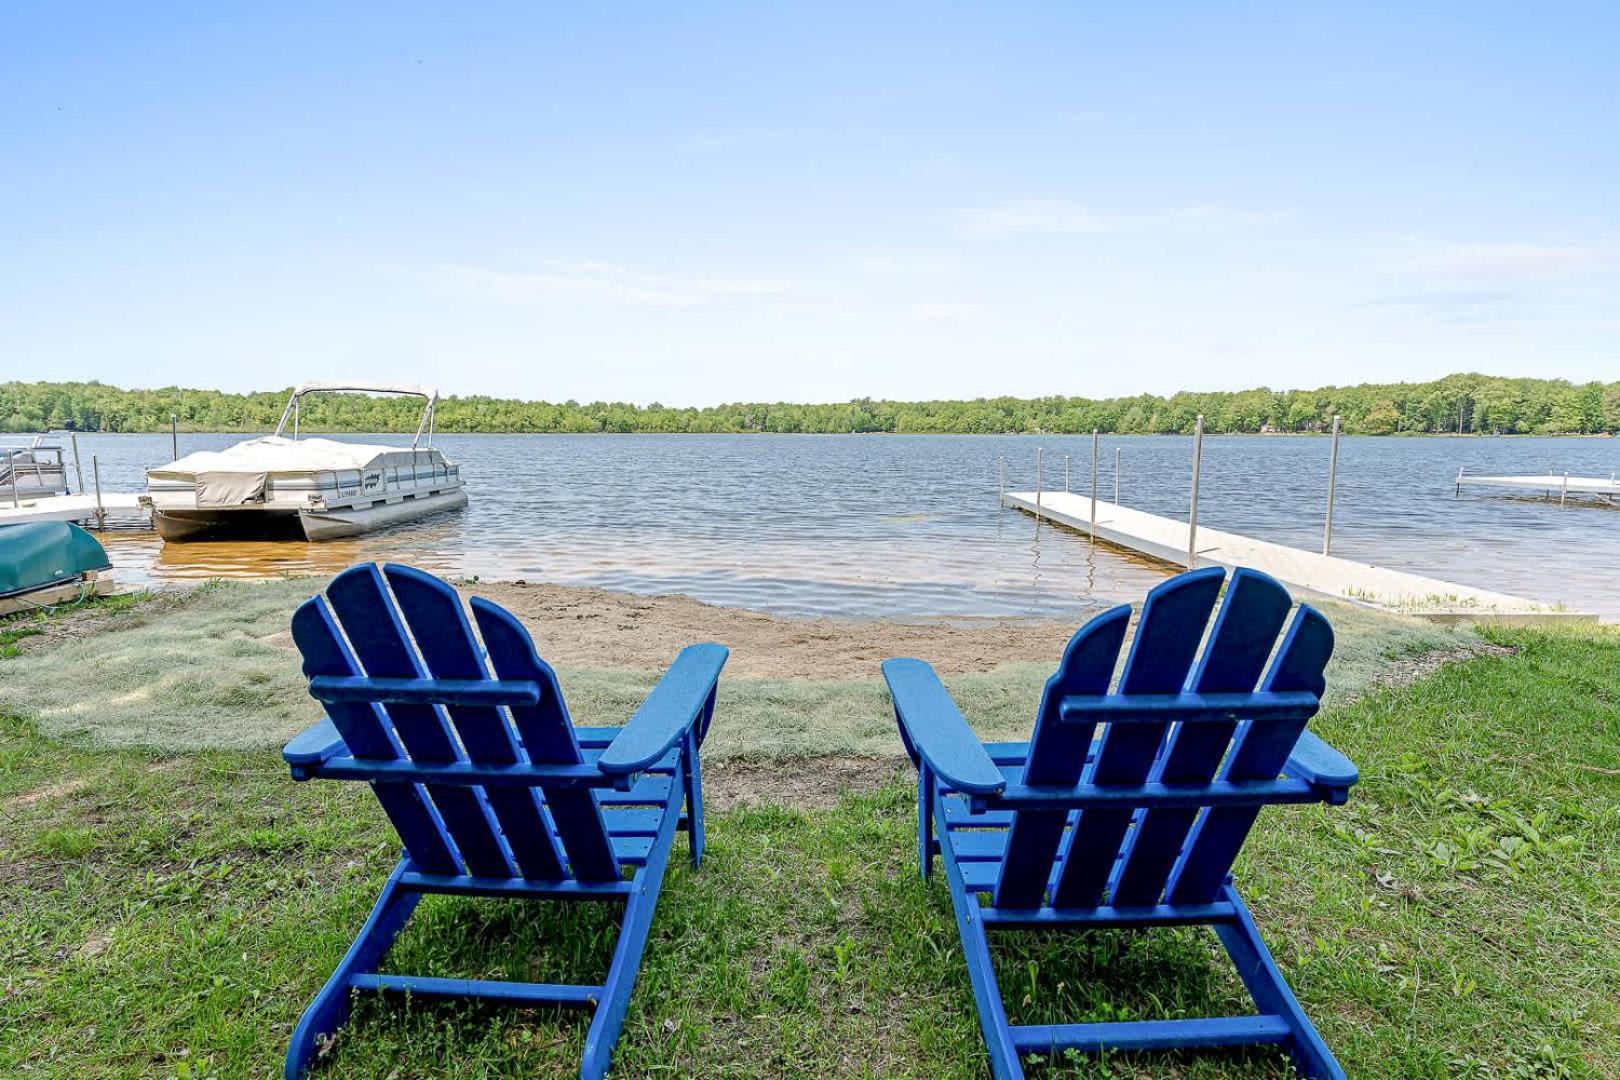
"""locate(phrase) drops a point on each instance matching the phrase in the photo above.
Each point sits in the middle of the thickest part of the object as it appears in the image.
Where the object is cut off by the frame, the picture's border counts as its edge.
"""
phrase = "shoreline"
(318, 431)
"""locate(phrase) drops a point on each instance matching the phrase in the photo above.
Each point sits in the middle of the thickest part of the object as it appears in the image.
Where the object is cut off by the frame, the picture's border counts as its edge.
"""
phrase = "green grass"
(14, 628)
(171, 914)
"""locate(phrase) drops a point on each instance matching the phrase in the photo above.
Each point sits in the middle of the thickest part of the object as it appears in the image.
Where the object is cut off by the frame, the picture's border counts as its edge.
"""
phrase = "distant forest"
(1474, 404)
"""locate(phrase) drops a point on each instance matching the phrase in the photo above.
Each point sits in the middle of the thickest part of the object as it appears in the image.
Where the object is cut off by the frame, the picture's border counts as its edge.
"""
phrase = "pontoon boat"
(314, 489)
(31, 468)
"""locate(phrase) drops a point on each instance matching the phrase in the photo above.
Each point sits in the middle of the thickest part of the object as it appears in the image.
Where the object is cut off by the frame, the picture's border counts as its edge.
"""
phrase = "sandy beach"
(597, 628)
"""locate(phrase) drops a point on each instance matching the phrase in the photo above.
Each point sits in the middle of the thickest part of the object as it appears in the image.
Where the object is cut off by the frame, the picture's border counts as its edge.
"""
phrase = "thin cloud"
(1038, 216)
(1058, 216)
(610, 283)
(1504, 260)
(901, 262)
(947, 311)
(1453, 306)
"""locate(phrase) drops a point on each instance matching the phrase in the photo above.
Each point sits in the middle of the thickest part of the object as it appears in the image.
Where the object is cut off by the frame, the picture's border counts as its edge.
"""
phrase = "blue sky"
(695, 203)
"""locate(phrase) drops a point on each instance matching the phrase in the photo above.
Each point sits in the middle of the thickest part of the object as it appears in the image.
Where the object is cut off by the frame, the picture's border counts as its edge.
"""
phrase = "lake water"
(908, 526)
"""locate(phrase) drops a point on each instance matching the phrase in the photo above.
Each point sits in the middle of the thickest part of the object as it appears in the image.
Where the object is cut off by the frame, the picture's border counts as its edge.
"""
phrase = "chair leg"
(1004, 1062)
(925, 820)
(330, 1009)
(626, 965)
(1265, 983)
(694, 797)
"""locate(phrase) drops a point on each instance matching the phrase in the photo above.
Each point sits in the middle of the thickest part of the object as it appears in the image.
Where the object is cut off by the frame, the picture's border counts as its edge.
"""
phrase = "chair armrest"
(313, 747)
(935, 729)
(674, 705)
(1315, 762)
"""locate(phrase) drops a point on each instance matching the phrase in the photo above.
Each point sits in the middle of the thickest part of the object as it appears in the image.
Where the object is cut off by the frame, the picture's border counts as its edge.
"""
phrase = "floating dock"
(1325, 575)
(117, 508)
(1562, 485)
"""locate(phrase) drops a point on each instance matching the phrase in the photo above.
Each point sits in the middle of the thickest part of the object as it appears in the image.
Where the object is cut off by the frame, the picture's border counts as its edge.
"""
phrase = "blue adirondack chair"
(492, 789)
(1126, 809)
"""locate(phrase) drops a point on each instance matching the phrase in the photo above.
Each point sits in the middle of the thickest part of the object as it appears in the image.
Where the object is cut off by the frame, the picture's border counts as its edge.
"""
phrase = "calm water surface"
(908, 526)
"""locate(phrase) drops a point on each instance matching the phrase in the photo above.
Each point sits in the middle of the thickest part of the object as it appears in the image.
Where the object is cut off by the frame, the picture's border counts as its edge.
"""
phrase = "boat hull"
(335, 524)
(183, 526)
(259, 523)
(44, 554)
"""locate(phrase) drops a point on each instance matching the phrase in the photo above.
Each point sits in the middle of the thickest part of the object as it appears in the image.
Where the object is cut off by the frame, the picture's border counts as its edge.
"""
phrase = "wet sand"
(576, 626)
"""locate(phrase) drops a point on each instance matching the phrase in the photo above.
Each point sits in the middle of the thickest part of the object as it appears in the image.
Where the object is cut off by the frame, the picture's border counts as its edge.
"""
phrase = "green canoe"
(40, 554)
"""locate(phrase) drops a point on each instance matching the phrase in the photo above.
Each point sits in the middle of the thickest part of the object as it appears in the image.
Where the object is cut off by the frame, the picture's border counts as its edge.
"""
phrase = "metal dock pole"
(11, 467)
(1333, 478)
(78, 469)
(1038, 485)
(1563, 491)
(101, 515)
(1001, 481)
(1065, 474)
(1454, 494)
(1116, 476)
(1094, 483)
(174, 435)
(1192, 515)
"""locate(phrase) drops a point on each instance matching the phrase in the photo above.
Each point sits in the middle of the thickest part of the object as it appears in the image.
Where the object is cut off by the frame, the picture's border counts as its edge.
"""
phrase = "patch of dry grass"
(218, 669)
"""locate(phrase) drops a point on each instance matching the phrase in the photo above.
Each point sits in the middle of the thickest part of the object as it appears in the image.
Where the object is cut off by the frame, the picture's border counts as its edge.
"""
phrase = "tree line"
(1466, 403)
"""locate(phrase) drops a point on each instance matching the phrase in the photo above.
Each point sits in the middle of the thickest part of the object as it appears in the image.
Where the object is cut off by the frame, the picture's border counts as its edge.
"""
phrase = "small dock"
(115, 509)
(1324, 575)
(1561, 485)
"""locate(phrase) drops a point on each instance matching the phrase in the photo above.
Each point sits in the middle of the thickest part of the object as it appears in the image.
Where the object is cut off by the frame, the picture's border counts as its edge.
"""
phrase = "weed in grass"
(14, 632)
(65, 842)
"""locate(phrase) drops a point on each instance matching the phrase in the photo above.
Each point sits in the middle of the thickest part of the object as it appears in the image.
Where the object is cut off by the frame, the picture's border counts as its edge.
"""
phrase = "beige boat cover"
(229, 488)
(276, 455)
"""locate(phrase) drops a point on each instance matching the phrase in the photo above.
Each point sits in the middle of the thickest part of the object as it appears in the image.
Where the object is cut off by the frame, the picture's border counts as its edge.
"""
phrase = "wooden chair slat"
(1258, 752)
(549, 736)
(372, 623)
(365, 731)
(1057, 755)
(1245, 632)
(1166, 644)
(433, 612)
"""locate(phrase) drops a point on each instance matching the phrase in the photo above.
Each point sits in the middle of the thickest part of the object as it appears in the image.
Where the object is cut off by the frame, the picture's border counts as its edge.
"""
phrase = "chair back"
(399, 623)
(1187, 720)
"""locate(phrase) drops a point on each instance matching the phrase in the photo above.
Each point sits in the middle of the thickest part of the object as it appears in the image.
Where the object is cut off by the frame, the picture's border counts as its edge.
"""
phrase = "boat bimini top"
(291, 412)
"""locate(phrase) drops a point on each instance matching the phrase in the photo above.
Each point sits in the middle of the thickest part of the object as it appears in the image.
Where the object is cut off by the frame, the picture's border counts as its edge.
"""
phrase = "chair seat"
(633, 818)
(979, 843)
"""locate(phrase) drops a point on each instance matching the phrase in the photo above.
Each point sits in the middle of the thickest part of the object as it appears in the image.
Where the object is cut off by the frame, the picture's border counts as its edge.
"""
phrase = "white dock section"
(1325, 575)
(119, 508)
(1559, 484)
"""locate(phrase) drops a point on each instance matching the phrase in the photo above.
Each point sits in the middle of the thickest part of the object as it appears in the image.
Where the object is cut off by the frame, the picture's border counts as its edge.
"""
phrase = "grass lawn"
(170, 914)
